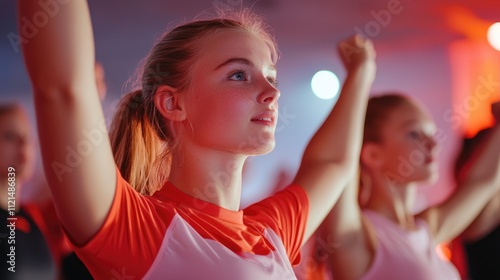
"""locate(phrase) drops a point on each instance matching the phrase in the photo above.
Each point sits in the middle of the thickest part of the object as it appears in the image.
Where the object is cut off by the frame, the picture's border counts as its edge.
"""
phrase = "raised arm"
(331, 158)
(481, 182)
(485, 222)
(76, 153)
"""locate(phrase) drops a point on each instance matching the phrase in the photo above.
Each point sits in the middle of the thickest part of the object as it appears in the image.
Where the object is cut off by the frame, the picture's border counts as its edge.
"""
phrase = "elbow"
(66, 95)
(349, 165)
(348, 162)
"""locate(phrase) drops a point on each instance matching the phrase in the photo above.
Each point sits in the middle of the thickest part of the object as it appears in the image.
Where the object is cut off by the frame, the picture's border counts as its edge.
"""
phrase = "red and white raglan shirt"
(172, 235)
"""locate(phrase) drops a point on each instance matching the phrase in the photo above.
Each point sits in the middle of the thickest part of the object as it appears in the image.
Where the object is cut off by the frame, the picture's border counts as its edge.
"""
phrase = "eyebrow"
(241, 61)
(413, 121)
(408, 123)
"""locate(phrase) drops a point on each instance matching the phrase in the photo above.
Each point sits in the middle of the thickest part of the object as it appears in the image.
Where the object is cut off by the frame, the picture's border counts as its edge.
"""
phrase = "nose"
(25, 150)
(269, 93)
(430, 143)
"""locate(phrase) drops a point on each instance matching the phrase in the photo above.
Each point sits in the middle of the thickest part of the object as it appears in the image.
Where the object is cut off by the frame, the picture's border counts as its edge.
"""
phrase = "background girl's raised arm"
(76, 153)
(331, 158)
(485, 222)
(481, 182)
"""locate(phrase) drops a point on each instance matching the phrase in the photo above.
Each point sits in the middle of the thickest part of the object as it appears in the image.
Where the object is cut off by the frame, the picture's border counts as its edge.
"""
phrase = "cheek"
(410, 163)
(7, 150)
(218, 106)
(213, 111)
(30, 154)
(6, 159)
(397, 158)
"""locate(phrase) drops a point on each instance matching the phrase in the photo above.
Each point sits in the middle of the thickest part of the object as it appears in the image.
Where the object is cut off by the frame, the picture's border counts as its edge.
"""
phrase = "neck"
(211, 176)
(393, 200)
(5, 194)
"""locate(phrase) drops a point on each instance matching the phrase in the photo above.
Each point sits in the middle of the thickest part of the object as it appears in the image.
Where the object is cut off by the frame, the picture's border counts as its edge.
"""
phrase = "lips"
(430, 160)
(267, 118)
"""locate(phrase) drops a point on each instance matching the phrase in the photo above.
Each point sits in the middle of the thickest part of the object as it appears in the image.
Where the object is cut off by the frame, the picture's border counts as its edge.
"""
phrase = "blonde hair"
(140, 136)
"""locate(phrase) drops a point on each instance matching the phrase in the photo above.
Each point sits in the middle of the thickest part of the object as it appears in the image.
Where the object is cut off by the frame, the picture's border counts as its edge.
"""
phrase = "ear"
(371, 155)
(170, 103)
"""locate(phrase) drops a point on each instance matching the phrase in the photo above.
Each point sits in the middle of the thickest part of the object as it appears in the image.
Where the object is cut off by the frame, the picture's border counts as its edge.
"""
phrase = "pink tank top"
(403, 254)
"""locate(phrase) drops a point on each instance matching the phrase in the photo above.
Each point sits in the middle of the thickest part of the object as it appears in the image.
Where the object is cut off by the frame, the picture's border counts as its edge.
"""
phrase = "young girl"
(385, 240)
(208, 101)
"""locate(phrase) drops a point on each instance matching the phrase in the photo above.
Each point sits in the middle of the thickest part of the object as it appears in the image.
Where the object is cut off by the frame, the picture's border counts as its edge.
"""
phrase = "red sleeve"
(286, 214)
(128, 241)
(46, 221)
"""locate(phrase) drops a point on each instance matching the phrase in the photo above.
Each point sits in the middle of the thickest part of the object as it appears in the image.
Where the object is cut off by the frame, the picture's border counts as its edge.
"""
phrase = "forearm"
(485, 222)
(486, 167)
(332, 157)
(480, 184)
(340, 136)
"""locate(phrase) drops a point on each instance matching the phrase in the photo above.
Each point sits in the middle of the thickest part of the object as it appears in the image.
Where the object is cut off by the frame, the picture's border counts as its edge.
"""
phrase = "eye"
(414, 134)
(9, 136)
(238, 75)
(273, 81)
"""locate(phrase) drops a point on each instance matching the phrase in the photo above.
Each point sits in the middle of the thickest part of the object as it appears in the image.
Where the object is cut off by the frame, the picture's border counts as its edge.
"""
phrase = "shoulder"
(289, 203)
(285, 213)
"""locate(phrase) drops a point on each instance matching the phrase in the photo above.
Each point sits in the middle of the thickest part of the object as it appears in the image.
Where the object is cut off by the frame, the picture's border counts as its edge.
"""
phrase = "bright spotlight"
(494, 35)
(325, 84)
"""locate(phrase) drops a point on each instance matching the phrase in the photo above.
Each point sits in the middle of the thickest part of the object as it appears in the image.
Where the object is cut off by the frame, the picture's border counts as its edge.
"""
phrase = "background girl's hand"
(356, 50)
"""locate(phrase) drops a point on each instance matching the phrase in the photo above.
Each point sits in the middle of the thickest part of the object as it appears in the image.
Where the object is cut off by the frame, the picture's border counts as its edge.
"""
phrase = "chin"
(432, 179)
(258, 145)
(264, 150)
(23, 174)
(428, 176)
(257, 150)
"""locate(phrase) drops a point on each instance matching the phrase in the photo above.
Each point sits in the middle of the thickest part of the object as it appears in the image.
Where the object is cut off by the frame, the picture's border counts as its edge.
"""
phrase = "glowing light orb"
(325, 84)
(494, 35)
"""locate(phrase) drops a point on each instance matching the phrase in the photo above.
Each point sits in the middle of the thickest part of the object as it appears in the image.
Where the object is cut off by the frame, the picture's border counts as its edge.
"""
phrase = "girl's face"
(232, 100)
(16, 148)
(408, 145)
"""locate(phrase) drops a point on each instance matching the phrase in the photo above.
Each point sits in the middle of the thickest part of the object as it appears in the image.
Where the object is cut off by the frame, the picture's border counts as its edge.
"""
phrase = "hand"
(356, 50)
(495, 111)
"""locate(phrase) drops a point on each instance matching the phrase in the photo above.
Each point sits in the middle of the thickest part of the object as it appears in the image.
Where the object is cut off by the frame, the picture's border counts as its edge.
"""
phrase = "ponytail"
(139, 152)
